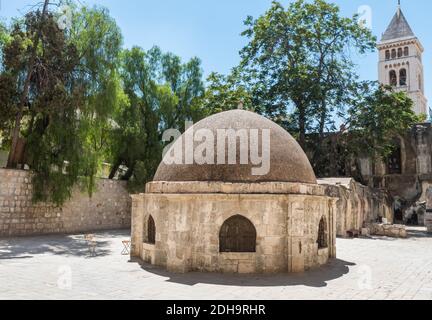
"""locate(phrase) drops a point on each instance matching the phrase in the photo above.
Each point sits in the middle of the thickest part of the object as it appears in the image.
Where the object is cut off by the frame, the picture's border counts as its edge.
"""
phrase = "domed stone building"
(241, 216)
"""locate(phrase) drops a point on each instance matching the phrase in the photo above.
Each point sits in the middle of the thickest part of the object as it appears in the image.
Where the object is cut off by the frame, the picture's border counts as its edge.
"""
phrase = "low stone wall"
(109, 208)
(388, 230)
(357, 205)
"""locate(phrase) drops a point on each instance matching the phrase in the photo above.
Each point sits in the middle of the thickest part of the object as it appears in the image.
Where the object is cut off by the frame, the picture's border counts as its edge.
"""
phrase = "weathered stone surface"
(388, 230)
(288, 162)
(416, 168)
(109, 208)
(189, 216)
(357, 204)
(238, 188)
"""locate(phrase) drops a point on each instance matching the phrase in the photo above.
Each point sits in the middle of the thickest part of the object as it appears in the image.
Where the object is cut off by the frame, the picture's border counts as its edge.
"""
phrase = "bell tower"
(400, 61)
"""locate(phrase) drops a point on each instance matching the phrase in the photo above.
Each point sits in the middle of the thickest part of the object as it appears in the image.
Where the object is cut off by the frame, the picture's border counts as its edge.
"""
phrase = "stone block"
(246, 267)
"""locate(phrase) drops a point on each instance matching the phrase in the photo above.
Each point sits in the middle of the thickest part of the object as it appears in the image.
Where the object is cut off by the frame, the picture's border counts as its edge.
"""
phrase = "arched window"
(394, 161)
(403, 77)
(406, 51)
(420, 83)
(237, 234)
(393, 78)
(387, 54)
(151, 231)
(393, 54)
(399, 52)
(322, 234)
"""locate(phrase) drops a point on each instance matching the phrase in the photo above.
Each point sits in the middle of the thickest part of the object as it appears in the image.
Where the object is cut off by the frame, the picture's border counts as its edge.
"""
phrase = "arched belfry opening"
(403, 77)
(322, 234)
(393, 78)
(237, 234)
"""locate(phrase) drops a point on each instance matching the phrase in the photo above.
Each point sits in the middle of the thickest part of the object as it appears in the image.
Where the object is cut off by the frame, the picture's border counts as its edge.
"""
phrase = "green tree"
(99, 41)
(59, 88)
(377, 116)
(298, 67)
(162, 92)
(224, 93)
(35, 23)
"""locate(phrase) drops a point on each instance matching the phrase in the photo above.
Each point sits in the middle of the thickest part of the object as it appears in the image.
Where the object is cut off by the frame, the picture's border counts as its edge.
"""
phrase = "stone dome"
(288, 162)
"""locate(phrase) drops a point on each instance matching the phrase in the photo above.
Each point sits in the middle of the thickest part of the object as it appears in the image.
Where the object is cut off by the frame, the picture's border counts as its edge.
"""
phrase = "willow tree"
(59, 88)
(161, 91)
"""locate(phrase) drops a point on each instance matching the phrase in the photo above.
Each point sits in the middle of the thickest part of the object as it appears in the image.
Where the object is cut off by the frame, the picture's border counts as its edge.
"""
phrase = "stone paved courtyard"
(61, 267)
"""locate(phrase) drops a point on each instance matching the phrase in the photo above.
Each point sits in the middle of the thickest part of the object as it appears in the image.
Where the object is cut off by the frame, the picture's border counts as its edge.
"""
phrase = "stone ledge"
(234, 188)
(388, 230)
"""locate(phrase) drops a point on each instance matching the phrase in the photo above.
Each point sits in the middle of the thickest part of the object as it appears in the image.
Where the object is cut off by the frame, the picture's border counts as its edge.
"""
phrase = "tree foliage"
(224, 93)
(69, 85)
(298, 62)
(162, 92)
(376, 117)
(72, 98)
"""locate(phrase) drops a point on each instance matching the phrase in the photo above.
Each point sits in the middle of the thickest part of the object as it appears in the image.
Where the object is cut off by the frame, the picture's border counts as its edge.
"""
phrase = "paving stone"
(60, 267)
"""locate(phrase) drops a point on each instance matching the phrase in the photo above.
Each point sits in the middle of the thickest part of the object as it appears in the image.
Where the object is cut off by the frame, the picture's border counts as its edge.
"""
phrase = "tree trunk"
(302, 126)
(129, 173)
(13, 157)
(114, 170)
(317, 155)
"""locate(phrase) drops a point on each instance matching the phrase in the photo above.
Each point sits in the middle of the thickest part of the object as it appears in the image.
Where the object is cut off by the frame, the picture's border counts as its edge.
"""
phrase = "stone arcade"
(221, 218)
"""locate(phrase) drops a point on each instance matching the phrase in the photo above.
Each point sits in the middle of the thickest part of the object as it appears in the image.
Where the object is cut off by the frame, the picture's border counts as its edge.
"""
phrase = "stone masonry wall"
(109, 208)
(357, 205)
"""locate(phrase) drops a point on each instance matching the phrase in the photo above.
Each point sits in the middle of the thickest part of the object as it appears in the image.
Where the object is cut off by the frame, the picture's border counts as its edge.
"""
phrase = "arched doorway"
(394, 161)
(237, 234)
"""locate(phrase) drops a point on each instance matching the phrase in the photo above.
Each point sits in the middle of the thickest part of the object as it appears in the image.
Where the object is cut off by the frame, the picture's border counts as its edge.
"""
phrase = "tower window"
(237, 234)
(399, 52)
(406, 51)
(403, 77)
(393, 54)
(393, 78)
(387, 54)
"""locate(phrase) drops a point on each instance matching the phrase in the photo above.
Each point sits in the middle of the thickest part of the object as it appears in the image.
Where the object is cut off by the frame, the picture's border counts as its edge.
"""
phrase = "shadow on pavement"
(313, 278)
(418, 233)
(64, 245)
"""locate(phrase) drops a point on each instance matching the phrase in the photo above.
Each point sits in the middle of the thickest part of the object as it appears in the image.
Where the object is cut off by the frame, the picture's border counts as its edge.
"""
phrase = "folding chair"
(126, 247)
(91, 242)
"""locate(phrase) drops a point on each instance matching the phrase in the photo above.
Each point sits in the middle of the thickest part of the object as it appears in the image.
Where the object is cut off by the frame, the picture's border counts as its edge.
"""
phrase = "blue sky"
(211, 29)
